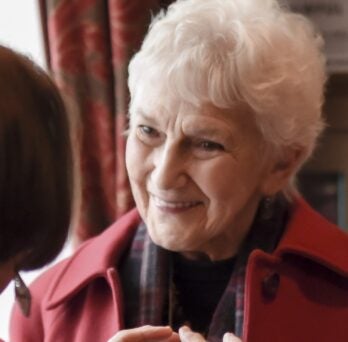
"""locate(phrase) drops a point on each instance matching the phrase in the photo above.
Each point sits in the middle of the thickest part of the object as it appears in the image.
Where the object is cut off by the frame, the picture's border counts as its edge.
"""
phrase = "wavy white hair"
(231, 51)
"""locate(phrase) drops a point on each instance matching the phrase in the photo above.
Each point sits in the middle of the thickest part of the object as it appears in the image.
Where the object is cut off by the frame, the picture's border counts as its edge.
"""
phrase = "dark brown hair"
(35, 163)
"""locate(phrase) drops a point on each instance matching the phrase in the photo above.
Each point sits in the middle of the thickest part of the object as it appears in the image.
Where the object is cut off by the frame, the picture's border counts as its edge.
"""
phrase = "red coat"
(298, 294)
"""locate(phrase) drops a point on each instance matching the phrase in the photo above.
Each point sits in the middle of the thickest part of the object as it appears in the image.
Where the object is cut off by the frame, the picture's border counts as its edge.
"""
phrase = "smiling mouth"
(174, 205)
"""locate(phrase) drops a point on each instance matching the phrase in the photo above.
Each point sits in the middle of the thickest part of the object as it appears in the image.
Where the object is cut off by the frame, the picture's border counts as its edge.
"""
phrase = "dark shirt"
(198, 287)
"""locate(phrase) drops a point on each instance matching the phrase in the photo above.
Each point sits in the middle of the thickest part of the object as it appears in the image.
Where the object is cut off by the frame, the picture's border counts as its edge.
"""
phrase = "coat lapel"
(92, 260)
(310, 235)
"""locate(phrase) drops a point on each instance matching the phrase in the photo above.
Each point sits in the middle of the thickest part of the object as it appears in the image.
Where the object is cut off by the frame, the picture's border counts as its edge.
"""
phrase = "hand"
(187, 335)
(146, 333)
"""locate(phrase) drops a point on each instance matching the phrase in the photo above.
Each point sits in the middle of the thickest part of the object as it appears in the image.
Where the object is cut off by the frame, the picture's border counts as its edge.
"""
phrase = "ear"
(281, 170)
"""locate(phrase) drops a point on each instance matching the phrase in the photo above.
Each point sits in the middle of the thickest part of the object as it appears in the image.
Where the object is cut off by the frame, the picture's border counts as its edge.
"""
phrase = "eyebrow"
(195, 131)
(210, 134)
(206, 131)
(144, 115)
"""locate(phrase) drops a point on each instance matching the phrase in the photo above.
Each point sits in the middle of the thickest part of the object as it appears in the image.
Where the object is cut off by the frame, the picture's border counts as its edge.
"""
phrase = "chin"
(166, 245)
(175, 245)
(170, 244)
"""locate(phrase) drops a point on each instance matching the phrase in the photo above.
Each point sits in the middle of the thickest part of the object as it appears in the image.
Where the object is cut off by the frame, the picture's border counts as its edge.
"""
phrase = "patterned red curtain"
(88, 46)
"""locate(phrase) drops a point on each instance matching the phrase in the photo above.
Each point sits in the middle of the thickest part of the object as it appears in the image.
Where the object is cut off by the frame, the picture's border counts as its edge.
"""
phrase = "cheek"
(230, 180)
(136, 171)
(227, 190)
(130, 151)
(135, 157)
(216, 181)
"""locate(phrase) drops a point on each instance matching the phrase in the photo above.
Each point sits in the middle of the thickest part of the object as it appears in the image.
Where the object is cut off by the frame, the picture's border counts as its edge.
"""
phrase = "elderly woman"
(35, 170)
(226, 100)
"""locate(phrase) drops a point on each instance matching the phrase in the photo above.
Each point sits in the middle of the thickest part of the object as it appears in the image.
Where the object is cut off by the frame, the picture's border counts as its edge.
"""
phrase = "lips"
(164, 204)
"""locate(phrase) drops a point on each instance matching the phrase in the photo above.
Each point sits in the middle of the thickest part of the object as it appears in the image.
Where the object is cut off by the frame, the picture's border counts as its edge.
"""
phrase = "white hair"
(238, 51)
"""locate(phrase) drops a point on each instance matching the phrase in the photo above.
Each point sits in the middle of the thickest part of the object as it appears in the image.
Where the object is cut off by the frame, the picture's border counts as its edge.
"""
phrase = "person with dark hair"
(36, 170)
(225, 108)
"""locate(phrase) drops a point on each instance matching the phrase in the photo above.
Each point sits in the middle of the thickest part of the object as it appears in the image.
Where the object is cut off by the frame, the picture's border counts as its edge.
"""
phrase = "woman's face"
(197, 176)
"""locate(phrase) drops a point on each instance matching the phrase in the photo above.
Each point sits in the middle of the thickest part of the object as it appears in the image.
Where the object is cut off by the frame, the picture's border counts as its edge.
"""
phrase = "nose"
(169, 170)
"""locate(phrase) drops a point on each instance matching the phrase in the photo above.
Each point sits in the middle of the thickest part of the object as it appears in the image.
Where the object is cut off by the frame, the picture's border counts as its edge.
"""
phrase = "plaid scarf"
(146, 277)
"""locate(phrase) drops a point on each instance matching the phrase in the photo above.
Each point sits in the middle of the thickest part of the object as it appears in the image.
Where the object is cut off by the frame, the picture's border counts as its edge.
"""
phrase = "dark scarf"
(146, 276)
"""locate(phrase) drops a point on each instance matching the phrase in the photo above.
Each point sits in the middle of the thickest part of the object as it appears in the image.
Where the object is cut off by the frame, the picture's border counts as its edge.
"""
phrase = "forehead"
(153, 101)
(158, 102)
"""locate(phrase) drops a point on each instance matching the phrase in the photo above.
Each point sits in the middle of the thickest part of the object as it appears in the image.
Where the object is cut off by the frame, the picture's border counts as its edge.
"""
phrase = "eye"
(147, 134)
(147, 130)
(211, 146)
(206, 149)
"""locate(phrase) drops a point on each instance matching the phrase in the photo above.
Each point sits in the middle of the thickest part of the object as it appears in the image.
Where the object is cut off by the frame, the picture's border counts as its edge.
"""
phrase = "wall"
(20, 28)
(332, 152)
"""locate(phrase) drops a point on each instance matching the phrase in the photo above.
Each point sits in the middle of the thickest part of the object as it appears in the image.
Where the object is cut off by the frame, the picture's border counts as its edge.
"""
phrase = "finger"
(144, 333)
(158, 333)
(174, 337)
(229, 337)
(187, 335)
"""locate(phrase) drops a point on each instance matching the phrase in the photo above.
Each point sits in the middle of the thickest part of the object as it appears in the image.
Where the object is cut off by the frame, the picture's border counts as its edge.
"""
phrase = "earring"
(23, 296)
(267, 208)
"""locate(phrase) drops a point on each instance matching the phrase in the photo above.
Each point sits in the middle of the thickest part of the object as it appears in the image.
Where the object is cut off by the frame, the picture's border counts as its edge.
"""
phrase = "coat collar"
(310, 235)
(99, 253)
(307, 234)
